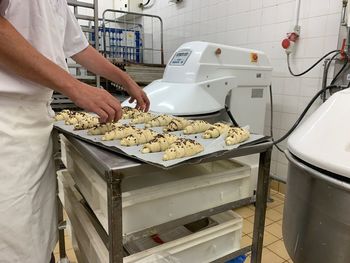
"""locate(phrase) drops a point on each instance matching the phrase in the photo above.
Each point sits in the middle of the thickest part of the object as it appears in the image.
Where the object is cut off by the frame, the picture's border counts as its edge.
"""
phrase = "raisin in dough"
(101, 129)
(63, 115)
(86, 123)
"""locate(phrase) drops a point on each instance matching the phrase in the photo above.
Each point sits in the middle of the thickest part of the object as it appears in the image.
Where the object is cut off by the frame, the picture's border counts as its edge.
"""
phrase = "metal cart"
(110, 166)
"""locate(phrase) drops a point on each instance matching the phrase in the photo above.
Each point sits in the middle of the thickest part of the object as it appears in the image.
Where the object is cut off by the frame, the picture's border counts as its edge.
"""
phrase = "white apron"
(27, 180)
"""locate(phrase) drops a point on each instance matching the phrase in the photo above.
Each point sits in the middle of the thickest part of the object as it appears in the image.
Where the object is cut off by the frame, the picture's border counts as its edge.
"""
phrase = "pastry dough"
(160, 143)
(197, 127)
(216, 130)
(138, 137)
(101, 129)
(75, 117)
(128, 112)
(182, 148)
(142, 117)
(119, 132)
(161, 120)
(63, 115)
(236, 135)
(86, 123)
(177, 124)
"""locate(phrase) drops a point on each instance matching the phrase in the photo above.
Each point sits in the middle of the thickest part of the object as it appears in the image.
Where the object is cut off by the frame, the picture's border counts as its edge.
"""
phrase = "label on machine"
(180, 57)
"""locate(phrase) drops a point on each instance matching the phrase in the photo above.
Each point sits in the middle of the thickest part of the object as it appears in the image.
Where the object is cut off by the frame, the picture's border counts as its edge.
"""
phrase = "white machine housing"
(323, 140)
(200, 76)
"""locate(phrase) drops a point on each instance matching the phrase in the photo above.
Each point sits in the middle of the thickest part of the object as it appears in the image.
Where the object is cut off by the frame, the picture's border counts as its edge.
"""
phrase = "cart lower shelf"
(206, 245)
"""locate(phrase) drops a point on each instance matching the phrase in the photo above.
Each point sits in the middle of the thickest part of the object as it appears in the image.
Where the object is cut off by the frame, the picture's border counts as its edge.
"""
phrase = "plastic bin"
(201, 247)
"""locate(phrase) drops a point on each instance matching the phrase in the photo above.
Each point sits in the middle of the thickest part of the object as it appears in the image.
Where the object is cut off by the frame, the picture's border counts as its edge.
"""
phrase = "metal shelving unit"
(110, 167)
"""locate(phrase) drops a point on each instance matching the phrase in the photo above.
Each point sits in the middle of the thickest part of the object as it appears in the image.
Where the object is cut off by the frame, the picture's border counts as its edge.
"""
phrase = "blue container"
(239, 259)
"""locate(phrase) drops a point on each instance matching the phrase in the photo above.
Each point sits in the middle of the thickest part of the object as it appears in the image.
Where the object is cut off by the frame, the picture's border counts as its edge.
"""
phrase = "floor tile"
(279, 249)
(247, 227)
(279, 196)
(274, 203)
(267, 220)
(280, 222)
(275, 229)
(279, 208)
(246, 241)
(270, 257)
(268, 238)
(273, 215)
(244, 212)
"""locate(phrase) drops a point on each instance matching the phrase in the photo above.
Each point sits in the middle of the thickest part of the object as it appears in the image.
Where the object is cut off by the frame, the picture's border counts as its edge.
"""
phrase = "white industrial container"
(170, 194)
(200, 247)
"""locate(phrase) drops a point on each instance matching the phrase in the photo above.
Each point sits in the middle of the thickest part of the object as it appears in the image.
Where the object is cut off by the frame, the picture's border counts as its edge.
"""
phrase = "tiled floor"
(274, 250)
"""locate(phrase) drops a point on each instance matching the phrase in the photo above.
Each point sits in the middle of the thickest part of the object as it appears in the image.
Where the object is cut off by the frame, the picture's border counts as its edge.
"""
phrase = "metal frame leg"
(115, 220)
(59, 206)
(261, 201)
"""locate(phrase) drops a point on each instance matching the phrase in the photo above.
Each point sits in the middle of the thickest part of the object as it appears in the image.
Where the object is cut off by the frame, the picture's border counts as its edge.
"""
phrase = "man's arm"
(19, 57)
(96, 63)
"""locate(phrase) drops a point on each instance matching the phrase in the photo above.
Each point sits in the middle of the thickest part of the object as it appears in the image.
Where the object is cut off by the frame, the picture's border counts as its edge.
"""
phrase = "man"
(35, 38)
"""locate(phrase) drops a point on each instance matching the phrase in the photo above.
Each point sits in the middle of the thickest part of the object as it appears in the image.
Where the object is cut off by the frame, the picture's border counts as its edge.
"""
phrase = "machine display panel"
(180, 57)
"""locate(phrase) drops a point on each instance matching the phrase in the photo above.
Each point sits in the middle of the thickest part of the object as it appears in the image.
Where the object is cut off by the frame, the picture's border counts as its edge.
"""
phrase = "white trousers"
(28, 228)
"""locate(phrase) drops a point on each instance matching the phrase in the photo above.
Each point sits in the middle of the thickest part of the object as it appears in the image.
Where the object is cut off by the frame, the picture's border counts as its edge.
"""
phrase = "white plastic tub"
(152, 196)
(201, 247)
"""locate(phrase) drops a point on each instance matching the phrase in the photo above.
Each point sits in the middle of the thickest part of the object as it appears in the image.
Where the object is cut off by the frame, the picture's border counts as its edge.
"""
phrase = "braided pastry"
(142, 117)
(119, 132)
(160, 143)
(197, 127)
(177, 124)
(161, 120)
(138, 137)
(182, 148)
(216, 130)
(236, 135)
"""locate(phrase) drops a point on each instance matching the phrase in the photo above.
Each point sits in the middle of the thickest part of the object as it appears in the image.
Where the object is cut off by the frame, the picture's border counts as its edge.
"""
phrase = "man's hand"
(94, 62)
(136, 93)
(97, 100)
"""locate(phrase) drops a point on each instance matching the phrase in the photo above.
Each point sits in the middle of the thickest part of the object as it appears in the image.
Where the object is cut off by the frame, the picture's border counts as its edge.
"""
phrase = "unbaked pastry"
(182, 148)
(86, 123)
(129, 113)
(75, 117)
(177, 124)
(101, 129)
(216, 130)
(119, 132)
(197, 126)
(141, 136)
(161, 120)
(160, 143)
(63, 115)
(142, 117)
(236, 135)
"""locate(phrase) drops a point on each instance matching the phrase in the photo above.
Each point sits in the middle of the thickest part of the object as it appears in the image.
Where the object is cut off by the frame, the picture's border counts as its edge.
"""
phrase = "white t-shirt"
(51, 28)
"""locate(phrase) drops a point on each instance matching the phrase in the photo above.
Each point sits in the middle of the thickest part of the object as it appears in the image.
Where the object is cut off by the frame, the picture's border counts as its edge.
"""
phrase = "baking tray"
(212, 147)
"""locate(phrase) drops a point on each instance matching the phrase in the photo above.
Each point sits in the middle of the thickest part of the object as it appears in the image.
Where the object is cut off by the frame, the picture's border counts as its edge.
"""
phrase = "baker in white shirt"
(36, 36)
